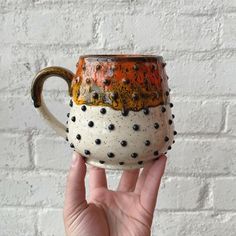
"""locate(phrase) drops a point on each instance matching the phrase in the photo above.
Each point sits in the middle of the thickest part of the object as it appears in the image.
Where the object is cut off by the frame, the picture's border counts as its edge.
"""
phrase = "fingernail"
(75, 159)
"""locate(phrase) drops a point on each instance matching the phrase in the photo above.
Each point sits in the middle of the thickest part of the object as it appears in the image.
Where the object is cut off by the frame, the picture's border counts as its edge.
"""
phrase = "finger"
(151, 185)
(97, 178)
(128, 180)
(75, 188)
(142, 177)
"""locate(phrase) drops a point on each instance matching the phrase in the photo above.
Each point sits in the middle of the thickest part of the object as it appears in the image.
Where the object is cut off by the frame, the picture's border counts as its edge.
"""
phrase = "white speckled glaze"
(111, 139)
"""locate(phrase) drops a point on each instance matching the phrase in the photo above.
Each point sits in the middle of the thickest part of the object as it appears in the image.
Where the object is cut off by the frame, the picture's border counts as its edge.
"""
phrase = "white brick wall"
(197, 39)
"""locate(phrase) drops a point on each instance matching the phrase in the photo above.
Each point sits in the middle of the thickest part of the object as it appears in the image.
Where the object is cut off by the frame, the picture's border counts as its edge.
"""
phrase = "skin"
(125, 212)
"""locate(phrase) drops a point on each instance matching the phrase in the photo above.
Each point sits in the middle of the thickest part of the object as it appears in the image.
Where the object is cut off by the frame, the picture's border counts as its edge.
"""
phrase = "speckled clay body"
(120, 115)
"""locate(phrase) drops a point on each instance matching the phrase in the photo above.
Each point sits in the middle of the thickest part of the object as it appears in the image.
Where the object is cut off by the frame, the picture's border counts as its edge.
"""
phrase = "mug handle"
(36, 95)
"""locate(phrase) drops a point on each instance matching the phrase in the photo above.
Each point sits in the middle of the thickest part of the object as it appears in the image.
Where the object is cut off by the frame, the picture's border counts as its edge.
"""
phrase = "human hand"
(127, 211)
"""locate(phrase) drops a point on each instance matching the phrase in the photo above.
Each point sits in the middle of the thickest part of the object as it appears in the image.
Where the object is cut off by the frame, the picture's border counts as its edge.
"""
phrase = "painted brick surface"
(196, 38)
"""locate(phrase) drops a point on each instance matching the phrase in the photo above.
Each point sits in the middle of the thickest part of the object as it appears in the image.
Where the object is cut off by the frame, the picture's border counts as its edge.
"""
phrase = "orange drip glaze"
(121, 85)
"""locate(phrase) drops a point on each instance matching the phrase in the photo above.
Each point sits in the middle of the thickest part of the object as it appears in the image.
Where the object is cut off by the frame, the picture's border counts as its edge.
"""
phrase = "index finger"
(151, 185)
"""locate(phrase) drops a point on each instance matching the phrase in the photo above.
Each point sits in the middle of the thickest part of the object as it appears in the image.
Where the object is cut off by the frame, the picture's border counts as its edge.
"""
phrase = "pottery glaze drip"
(120, 83)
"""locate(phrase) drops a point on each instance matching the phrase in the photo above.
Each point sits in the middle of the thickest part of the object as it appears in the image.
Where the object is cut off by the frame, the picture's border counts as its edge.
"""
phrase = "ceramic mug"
(120, 116)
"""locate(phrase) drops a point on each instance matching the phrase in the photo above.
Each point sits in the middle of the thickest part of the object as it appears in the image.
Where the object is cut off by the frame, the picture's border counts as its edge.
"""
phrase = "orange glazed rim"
(122, 57)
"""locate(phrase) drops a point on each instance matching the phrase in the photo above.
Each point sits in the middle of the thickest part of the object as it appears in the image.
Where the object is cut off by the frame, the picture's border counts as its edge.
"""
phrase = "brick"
(14, 151)
(20, 64)
(19, 113)
(225, 76)
(189, 193)
(231, 119)
(205, 77)
(198, 116)
(229, 32)
(51, 223)
(224, 193)
(17, 222)
(52, 153)
(115, 32)
(180, 7)
(62, 27)
(194, 223)
(197, 7)
(18, 67)
(202, 156)
(191, 77)
(175, 32)
(32, 189)
(229, 5)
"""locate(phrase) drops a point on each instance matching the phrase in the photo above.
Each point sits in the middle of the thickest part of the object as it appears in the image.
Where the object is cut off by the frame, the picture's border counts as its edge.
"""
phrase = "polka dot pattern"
(128, 141)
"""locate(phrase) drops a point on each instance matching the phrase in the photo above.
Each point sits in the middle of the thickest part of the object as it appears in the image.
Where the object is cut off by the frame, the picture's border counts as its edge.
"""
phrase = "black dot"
(83, 108)
(165, 153)
(98, 67)
(66, 138)
(102, 162)
(106, 82)
(98, 141)
(110, 154)
(73, 118)
(67, 122)
(134, 155)
(90, 124)
(147, 142)
(166, 139)
(135, 127)
(114, 95)
(103, 110)
(121, 163)
(167, 93)
(140, 162)
(171, 105)
(126, 81)
(68, 114)
(170, 122)
(135, 96)
(173, 141)
(146, 111)
(156, 153)
(169, 147)
(84, 67)
(67, 130)
(123, 143)
(163, 109)
(124, 112)
(88, 81)
(135, 67)
(175, 132)
(71, 103)
(86, 152)
(173, 116)
(156, 125)
(78, 136)
(111, 127)
(95, 95)
(72, 145)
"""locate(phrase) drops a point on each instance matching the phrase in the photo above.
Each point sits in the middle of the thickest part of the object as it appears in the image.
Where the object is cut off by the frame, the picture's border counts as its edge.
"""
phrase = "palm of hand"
(128, 211)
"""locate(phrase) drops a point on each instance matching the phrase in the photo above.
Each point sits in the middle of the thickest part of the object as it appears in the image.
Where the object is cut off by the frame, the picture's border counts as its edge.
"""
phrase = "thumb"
(75, 201)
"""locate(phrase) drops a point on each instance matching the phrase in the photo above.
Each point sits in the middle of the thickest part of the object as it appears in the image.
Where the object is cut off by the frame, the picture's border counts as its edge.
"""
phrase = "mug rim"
(122, 57)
